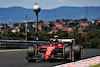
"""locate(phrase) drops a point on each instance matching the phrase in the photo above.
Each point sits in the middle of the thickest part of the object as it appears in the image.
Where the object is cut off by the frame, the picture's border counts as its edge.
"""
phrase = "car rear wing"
(64, 40)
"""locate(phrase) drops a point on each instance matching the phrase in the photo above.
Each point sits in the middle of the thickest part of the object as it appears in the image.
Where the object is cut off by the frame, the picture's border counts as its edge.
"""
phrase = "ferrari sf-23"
(63, 48)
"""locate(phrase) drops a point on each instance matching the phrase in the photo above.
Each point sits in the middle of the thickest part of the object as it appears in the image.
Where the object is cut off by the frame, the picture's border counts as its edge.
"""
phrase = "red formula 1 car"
(64, 48)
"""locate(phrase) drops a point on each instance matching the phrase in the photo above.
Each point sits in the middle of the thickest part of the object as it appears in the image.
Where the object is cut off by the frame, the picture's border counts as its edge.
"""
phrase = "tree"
(64, 20)
(51, 25)
(85, 19)
(41, 21)
(57, 20)
(16, 24)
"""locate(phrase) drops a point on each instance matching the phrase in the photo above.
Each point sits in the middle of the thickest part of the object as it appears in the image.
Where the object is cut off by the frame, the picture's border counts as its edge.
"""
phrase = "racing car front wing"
(42, 57)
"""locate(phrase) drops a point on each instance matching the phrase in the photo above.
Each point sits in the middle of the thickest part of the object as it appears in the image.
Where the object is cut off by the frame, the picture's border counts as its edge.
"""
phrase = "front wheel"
(32, 51)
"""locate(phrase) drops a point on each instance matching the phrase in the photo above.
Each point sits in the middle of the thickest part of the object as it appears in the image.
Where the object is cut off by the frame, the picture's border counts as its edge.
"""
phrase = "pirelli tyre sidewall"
(77, 49)
(66, 51)
(32, 51)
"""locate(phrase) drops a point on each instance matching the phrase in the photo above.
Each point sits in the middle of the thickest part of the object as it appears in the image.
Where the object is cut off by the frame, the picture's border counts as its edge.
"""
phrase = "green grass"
(98, 65)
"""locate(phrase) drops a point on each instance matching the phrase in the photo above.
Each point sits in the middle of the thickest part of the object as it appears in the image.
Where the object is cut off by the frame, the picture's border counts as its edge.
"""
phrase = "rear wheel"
(32, 51)
(76, 52)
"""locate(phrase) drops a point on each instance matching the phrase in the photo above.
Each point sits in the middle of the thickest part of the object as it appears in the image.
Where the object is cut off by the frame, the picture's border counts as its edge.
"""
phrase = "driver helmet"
(55, 37)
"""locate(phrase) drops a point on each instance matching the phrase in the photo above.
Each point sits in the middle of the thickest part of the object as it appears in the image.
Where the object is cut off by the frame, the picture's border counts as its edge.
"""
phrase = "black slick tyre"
(31, 52)
(66, 51)
(77, 51)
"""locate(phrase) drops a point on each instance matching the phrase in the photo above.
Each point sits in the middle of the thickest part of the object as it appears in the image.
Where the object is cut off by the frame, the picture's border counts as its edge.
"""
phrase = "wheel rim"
(81, 54)
(73, 56)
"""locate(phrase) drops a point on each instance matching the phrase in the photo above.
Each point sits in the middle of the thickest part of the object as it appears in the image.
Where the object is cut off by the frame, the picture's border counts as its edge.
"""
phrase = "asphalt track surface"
(17, 59)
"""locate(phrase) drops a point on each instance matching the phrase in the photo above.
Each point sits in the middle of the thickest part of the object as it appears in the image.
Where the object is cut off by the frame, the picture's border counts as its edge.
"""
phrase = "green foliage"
(72, 25)
(16, 24)
(89, 40)
(51, 24)
(91, 27)
(12, 36)
(44, 35)
(62, 33)
(41, 21)
(64, 20)
(57, 20)
(47, 29)
(84, 19)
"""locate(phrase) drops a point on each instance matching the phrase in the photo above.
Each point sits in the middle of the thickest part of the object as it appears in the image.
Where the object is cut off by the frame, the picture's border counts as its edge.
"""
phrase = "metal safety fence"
(18, 44)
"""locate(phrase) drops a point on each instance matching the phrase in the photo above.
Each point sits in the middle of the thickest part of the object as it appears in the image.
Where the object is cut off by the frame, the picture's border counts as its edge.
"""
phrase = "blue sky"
(48, 4)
